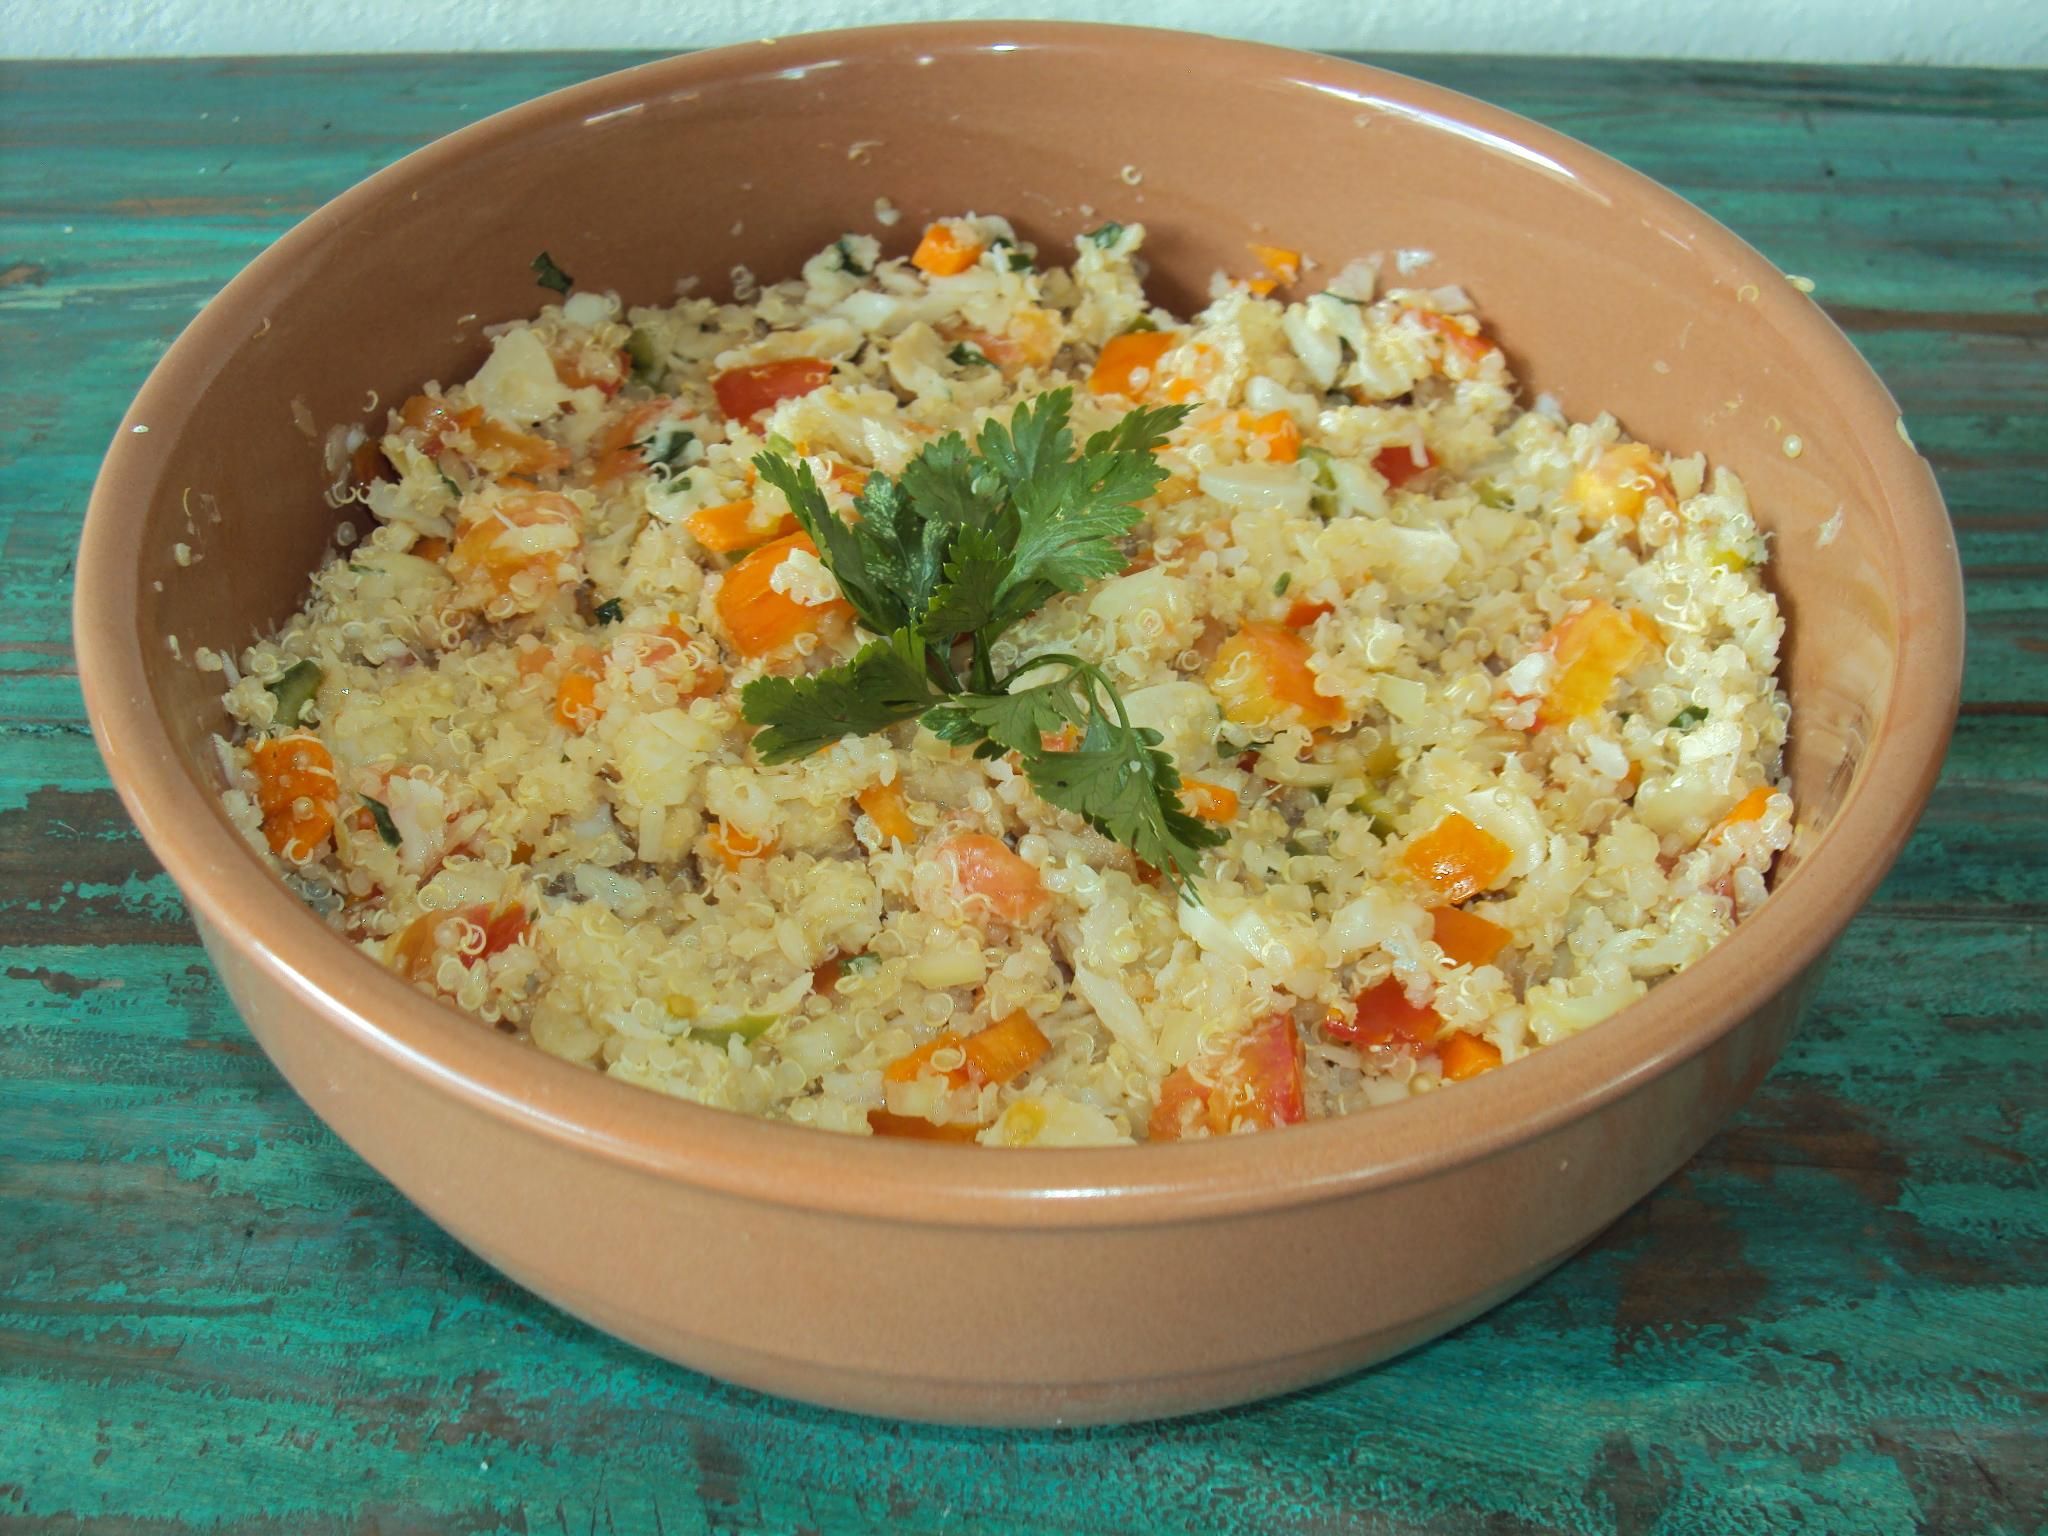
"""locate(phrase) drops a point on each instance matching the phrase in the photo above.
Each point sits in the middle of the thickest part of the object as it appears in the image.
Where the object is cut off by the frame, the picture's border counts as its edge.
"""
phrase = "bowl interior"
(1605, 292)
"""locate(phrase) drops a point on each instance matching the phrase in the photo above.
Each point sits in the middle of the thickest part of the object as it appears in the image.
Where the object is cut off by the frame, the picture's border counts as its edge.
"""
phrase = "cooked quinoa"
(1485, 699)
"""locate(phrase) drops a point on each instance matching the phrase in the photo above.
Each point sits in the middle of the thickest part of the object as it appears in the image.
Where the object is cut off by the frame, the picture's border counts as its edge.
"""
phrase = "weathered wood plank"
(214, 1317)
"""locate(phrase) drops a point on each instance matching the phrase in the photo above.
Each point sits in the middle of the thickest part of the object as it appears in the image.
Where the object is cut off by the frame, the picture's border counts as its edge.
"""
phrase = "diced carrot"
(1301, 614)
(1011, 1045)
(915, 1063)
(617, 446)
(1402, 463)
(576, 701)
(1472, 345)
(502, 929)
(917, 1128)
(735, 525)
(1382, 1015)
(367, 465)
(506, 450)
(825, 977)
(1463, 1056)
(1262, 285)
(1279, 262)
(1261, 675)
(493, 546)
(759, 620)
(1467, 938)
(432, 547)
(1619, 482)
(1276, 429)
(734, 847)
(1458, 860)
(745, 393)
(1210, 802)
(885, 807)
(1594, 646)
(986, 871)
(1750, 807)
(434, 419)
(944, 252)
(1124, 357)
(297, 793)
(1258, 1085)
(590, 367)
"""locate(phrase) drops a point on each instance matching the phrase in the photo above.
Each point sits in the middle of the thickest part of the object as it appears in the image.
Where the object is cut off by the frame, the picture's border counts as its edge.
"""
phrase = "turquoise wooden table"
(214, 1318)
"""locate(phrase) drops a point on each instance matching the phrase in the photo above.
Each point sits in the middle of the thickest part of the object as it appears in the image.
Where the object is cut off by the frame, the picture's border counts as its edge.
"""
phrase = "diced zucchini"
(294, 690)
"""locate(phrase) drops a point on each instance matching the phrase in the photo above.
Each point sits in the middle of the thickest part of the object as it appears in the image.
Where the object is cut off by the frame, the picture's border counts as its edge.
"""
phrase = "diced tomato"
(1402, 463)
(745, 393)
(987, 872)
(1258, 1085)
(415, 951)
(1383, 1015)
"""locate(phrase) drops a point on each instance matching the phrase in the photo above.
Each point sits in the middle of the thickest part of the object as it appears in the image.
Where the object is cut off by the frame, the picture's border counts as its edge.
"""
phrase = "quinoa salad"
(1408, 726)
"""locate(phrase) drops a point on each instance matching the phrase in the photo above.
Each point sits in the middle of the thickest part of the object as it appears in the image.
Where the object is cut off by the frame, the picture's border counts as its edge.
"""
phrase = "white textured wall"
(1863, 31)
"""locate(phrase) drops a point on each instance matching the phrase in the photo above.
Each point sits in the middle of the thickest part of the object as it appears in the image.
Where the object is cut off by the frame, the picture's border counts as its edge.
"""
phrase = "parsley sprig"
(943, 560)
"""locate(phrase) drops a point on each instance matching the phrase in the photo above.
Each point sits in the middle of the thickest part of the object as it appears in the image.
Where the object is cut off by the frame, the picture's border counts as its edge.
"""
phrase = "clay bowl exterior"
(994, 1286)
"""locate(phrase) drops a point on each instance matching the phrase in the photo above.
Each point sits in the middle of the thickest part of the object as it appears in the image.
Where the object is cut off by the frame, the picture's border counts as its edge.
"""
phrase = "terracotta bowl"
(988, 1286)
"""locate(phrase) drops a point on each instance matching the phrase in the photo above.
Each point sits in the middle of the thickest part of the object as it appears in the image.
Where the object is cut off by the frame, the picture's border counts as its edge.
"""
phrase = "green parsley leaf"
(965, 355)
(839, 546)
(886, 682)
(381, 815)
(1282, 582)
(548, 275)
(1105, 235)
(610, 611)
(964, 543)
(1071, 512)
(848, 262)
(1688, 717)
(1142, 323)
(664, 451)
(1017, 258)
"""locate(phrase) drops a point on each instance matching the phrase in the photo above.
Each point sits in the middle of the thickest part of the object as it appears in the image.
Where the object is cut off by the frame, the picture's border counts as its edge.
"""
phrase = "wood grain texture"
(213, 1317)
